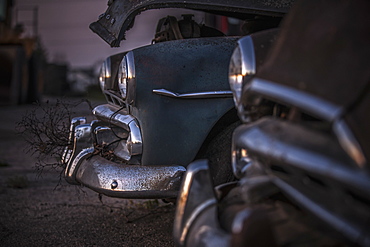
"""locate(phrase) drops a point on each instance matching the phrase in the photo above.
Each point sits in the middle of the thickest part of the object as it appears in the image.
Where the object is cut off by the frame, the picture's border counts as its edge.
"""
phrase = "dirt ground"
(36, 211)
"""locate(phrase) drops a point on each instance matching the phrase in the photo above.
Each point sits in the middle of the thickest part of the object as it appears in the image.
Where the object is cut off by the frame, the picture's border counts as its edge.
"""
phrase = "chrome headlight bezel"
(122, 78)
(242, 67)
(126, 78)
(105, 74)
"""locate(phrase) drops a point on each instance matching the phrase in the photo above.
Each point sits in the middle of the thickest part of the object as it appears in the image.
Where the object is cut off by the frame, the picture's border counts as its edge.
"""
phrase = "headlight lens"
(122, 78)
(105, 73)
(242, 64)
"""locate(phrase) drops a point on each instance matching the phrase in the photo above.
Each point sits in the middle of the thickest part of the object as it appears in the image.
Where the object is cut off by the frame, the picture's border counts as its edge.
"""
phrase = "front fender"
(173, 129)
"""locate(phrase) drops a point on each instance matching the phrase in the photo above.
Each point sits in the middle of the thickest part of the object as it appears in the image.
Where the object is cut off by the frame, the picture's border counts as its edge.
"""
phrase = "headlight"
(126, 77)
(242, 66)
(105, 73)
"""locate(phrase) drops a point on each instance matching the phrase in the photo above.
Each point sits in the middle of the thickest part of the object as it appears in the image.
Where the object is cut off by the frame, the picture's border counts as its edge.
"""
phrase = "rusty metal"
(124, 13)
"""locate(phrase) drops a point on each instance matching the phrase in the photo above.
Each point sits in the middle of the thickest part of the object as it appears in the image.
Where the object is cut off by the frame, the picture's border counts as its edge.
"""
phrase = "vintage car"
(168, 103)
(302, 154)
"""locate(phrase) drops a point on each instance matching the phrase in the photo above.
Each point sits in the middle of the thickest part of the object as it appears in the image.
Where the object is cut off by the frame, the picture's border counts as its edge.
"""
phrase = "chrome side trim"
(349, 142)
(312, 104)
(198, 95)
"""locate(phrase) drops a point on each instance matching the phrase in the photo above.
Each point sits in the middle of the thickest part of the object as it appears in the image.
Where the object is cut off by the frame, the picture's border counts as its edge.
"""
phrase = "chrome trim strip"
(312, 104)
(198, 95)
(349, 142)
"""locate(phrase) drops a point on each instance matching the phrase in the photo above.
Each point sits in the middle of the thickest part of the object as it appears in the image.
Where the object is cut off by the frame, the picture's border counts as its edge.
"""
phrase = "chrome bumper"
(116, 134)
(196, 222)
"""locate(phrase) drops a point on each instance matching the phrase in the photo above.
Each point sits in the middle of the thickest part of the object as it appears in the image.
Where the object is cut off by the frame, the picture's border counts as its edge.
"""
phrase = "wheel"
(218, 154)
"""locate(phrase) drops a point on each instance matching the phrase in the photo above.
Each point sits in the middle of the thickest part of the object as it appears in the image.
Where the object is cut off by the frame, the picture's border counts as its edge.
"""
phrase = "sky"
(63, 26)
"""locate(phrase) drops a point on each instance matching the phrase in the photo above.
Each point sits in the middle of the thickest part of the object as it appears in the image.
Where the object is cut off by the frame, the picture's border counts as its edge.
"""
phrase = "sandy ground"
(36, 211)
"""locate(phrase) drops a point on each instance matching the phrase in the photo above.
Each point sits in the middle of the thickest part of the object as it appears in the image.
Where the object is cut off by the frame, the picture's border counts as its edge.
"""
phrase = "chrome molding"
(312, 104)
(198, 95)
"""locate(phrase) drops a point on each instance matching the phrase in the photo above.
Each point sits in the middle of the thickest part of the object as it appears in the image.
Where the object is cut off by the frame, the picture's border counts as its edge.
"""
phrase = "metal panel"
(120, 15)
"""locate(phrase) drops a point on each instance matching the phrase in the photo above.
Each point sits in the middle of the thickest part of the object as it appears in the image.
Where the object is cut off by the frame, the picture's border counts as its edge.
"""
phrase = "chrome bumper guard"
(196, 222)
(121, 135)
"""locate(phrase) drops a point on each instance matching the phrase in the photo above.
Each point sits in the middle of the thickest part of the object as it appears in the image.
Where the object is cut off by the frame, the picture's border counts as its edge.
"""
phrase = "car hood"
(119, 17)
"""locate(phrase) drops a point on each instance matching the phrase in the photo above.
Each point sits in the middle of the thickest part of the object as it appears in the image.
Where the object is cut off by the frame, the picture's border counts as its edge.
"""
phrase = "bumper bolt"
(114, 184)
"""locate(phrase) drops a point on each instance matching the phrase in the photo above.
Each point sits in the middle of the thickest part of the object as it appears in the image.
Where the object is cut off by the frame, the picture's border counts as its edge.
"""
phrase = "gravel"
(41, 209)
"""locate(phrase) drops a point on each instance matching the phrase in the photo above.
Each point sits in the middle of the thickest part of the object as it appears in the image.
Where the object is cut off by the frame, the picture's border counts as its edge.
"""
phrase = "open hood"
(120, 15)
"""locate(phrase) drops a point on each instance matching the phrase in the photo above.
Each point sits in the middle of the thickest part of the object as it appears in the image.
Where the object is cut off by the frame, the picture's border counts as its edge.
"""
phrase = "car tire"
(218, 154)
